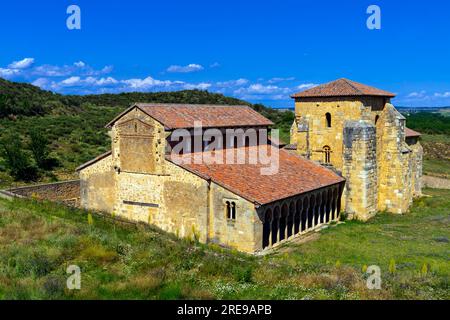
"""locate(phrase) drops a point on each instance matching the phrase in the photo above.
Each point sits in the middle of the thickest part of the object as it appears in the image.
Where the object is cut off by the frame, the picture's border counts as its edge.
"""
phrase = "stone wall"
(398, 165)
(98, 186)
(139, 184)
(394, 164)
(360, 169)
(245, 232)
(417, 163)
(66, 192)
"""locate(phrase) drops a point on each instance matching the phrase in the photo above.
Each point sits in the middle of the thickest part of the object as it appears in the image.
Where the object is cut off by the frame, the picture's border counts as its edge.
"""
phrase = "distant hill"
(23, 99)
(26, 99)
(422, 109)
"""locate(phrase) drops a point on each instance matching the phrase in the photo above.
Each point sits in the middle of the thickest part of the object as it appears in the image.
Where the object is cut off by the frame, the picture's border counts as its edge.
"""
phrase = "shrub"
(244, 275)
(16, 159)
(54, 286)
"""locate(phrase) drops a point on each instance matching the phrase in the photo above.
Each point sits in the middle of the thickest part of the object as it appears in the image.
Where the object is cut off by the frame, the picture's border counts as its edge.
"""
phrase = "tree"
(16, 159)
(39, 147)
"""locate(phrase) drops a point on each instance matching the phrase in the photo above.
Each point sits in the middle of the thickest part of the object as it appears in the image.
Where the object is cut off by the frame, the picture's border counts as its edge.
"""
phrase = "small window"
(230, 210)
(327, 153)
(328, 119)
(233, 211)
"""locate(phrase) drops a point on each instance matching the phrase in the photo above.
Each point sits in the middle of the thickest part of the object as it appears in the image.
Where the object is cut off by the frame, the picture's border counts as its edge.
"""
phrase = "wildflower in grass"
(338, 264)
(90, 219)
(392, 267)
(424, 270)
(364, 268)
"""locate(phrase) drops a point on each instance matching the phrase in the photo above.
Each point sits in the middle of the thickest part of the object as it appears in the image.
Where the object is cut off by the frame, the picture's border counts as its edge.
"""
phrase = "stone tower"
(356, 130)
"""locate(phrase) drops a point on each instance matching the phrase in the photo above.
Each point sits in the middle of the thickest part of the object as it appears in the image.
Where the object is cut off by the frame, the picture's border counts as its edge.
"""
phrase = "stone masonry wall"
(399, 166)
(98, 186)
(394, 163)
(148, 188)
(360, 169)
(66, 192)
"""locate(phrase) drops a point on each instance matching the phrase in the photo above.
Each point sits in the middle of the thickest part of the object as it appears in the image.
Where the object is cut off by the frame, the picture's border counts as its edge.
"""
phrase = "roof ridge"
(350, 83)
(159, 104)
(342, 87)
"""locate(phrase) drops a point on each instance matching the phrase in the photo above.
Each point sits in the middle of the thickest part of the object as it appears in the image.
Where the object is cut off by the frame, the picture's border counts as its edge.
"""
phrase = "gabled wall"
(137, 182)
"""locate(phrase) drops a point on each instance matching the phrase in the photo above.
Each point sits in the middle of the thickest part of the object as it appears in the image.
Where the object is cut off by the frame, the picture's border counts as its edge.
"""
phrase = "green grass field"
(39, 240)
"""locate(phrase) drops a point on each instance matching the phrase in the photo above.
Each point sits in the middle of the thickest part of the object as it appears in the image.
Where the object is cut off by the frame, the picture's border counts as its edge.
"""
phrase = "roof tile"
(178, 116)
(342, 88)
(295, 175)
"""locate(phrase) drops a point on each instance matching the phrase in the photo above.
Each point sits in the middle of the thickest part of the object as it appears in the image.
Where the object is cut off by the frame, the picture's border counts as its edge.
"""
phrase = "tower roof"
(342, 88)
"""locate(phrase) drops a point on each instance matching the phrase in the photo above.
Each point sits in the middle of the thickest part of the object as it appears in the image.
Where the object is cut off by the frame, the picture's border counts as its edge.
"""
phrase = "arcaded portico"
(288, 218)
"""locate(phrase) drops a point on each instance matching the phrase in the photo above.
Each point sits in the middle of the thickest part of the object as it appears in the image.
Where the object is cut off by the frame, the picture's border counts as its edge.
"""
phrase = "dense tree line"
(427, 122)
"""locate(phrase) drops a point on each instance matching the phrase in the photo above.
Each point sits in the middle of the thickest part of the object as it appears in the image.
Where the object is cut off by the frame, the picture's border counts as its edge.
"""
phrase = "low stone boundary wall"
(435, 183)
(67, 192)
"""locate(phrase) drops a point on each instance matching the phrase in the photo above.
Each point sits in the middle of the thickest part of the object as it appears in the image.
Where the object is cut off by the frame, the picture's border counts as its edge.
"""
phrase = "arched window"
(328, 119)
(233, 211)
(228, 209)
(327, 153)
(376, 118)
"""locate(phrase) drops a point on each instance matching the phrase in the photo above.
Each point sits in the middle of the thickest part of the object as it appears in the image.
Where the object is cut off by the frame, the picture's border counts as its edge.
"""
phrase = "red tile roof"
(411, 133)
(343, 88)
(296, 175)
(177, 116)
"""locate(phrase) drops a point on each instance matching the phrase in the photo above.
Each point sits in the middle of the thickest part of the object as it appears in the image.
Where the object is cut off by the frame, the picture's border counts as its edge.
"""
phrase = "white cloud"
(22, 64)
(418, 95)
(185, 69)
(442, 95)
(41, 82)
(146, 83)
(232, 83)
(72, 81)
(101, 82)
(8, 73)
(277, 79)
(77, 69)
(214, 65)
(306, 86)
(261, 89)
(199, 86)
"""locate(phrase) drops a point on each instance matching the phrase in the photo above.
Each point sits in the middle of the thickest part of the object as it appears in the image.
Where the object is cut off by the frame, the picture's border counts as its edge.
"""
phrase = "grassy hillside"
(74, 125)
(39, 240)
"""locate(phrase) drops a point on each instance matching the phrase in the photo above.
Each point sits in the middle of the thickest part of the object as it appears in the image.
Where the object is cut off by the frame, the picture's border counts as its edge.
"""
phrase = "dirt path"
(435, 183)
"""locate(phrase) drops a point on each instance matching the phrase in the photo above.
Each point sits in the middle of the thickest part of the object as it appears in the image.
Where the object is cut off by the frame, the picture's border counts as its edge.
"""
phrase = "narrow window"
(328, 119)
(327, 153)
(376, 119)
(233, 211)
(228, 209)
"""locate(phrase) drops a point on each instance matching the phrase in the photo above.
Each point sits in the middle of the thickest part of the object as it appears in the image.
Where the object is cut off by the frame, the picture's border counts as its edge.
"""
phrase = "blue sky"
(261, 51)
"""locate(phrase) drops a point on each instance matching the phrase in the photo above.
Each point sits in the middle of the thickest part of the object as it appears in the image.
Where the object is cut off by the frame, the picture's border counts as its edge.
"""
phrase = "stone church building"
(351, 152)
(354, 129)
